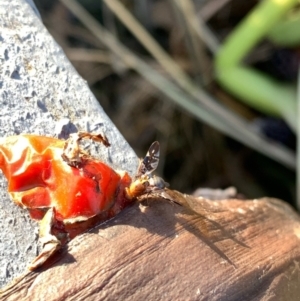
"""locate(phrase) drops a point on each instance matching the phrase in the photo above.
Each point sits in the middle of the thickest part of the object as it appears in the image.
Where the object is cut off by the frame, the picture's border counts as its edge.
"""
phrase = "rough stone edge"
(41, 93)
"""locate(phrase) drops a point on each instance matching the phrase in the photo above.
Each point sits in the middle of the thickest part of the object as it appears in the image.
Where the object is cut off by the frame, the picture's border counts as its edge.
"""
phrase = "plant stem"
(286, 33)
(254, 88)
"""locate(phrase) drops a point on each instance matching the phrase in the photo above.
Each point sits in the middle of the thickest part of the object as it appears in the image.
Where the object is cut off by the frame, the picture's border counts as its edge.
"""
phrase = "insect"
(66, 189)
(144, 182)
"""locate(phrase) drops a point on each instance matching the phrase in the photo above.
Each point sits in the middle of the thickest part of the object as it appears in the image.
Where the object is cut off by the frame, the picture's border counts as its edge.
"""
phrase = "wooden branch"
(229, 250)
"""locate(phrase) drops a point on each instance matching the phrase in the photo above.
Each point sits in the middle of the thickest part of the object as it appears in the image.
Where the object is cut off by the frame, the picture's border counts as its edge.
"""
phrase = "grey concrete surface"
(41, 93)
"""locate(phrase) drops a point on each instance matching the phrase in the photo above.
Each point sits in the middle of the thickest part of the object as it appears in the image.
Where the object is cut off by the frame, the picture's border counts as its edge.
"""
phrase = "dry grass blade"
(200, 29)
(147, 41)
(110, 23)
(210, 8)
(208, 110)
(88, 55)
(197, 52)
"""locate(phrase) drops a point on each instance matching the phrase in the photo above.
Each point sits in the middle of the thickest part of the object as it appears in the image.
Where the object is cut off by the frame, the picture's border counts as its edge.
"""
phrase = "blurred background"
(215, 88)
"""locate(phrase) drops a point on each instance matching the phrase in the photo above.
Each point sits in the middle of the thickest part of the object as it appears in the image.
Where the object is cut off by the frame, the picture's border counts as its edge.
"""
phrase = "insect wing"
(150, 162)
(151, 159)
